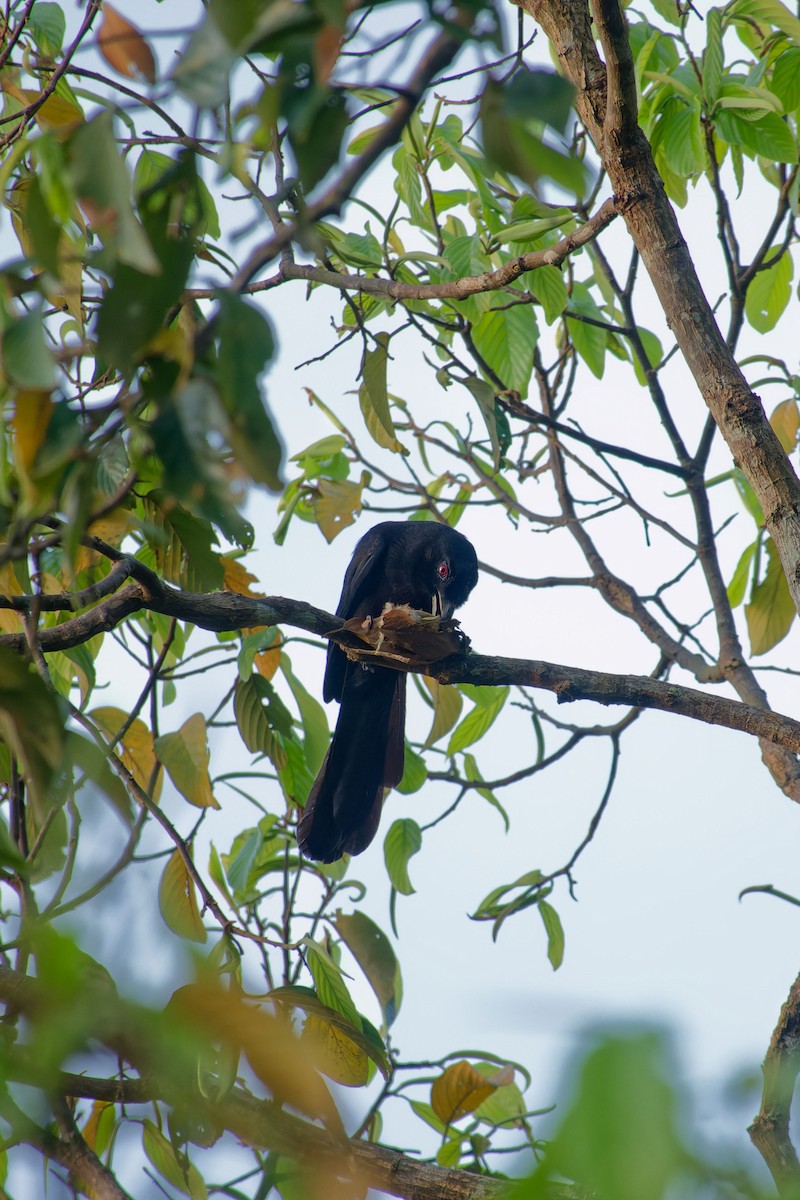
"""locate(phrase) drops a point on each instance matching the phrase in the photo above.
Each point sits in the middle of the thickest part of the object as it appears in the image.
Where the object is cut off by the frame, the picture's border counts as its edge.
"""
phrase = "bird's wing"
(361, 580)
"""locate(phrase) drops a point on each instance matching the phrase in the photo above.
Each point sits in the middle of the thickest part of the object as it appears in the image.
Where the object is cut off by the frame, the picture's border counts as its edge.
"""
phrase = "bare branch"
(469, 285)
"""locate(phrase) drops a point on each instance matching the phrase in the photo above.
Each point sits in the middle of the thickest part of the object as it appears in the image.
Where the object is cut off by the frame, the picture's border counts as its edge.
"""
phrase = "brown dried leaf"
(275, 1053)
(327, 45)
(458, 1091)
(124, 48)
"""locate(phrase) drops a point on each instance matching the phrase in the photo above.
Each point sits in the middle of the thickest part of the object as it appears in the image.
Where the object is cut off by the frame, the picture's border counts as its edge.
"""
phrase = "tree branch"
(227, 611)
(469, 285)
(769, 1131)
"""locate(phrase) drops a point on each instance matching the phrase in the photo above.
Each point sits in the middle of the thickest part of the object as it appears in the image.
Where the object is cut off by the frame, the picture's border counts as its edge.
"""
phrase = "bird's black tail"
(365, 756)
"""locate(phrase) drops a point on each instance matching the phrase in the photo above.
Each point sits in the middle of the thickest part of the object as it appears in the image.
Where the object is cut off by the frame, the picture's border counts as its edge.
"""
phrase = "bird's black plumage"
(427, 566)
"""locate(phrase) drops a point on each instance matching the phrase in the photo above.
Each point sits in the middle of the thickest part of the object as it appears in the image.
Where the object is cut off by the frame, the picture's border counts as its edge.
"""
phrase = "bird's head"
(452, 569)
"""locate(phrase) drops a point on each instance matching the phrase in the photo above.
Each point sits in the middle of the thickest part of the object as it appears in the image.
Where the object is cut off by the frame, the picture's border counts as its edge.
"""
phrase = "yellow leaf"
(55, 113)
(124, 48)
(266, 662)
(10, 621)
(32, 413)
(458, 1091)
(447, 705)
(237, 578)
(785, 420)
(136, 751)
(185, 755)
(336, 1055)
(771, 610)
(111, 528)
(68, 292)
(336, 505)
(174, 344)
(177, 900)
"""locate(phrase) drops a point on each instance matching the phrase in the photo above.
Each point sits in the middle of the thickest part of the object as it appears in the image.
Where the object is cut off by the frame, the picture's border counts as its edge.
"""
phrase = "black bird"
(428, 566)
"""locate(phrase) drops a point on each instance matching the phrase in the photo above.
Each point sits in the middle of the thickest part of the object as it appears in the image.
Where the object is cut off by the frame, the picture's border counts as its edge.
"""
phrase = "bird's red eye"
(443, 570)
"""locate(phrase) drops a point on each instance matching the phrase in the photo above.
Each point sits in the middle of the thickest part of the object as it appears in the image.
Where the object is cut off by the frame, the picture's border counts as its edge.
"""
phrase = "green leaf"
(373, 952)
(402, 842)
(48, 25)
(771, 610)
(770, 292)
(654, 353)
(484, 395)
(92, 762)
(203, 66)
(620, 1137)
(590, 340)
(244, 851)
(713, 55)
(771, 12)
(415, 772)
(27, 360)
(245, 346)
(555, 933)
(374, 400)
(506, 341)
(769, 136)
(32, 727)
(262, 716)
(738, 584)
(316, 734)
(679, 133)
(474, 776)
(294, 776)
(512, 140)
(185, 1177)
(317, 120)
(547, 285)
(785, 81)
(183, 545)
(748, 496)
(100, 180)
(329, 982)
(140, 300)
(478, 721)
(542, 94)
(425, 1113)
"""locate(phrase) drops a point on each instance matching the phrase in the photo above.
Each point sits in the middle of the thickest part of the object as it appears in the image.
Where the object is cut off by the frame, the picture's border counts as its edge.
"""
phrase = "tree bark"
(606, 103)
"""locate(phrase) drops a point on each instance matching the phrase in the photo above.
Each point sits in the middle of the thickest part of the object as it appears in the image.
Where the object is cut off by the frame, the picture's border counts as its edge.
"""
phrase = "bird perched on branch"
(419, 563)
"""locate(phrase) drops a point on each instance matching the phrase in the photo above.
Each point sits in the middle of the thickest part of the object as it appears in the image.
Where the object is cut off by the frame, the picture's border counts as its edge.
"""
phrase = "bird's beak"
(437, 604)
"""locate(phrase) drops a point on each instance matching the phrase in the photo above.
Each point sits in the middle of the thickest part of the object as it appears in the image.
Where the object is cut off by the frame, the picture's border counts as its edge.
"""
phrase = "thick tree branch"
(650, 218)
(255, 1121)
(225, 611)
(769, 1131)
